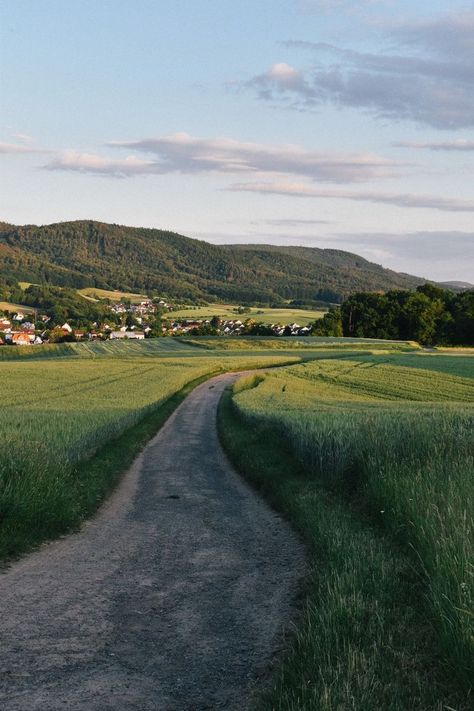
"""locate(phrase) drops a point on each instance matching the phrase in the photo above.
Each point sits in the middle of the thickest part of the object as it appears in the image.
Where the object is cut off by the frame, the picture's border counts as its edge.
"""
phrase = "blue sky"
(334, 123)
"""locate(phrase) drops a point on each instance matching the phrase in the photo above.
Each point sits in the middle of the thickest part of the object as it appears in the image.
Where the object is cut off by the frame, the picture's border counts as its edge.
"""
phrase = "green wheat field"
(392, 438)
(378, 479)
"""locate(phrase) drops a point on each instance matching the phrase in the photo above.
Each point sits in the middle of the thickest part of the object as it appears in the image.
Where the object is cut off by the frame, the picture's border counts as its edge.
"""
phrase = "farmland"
(8, 306)
(263, 315)
(378, 479)
(64, 401)
(92, 292)
(63, 405)
(365, 445)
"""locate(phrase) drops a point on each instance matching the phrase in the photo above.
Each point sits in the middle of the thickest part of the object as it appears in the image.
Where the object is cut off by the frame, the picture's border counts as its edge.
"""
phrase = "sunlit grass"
(399, 442)
(59, 412)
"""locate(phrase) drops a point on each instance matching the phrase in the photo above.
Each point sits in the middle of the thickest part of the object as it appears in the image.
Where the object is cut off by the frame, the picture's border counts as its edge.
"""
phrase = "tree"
(329, 325)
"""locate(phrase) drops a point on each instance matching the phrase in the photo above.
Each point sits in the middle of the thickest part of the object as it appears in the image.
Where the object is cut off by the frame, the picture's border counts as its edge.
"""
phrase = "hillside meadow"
(379, 481)
(262, 315)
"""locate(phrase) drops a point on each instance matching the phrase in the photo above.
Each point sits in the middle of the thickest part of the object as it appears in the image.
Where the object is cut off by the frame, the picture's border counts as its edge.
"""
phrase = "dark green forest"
(429, 315)
(84, 253)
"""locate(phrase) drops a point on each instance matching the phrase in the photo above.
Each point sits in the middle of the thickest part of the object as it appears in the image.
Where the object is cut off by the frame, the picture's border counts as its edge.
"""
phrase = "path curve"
(173, 598)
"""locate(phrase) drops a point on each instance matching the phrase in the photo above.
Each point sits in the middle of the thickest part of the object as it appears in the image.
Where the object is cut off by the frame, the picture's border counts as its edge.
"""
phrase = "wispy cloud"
(331, 5)
(99, 165)
(434, 255)
(291, 222)
(432, 202)
(182, 153)
(428, 253)
(429, 79)
(459, 145)
(18, 148)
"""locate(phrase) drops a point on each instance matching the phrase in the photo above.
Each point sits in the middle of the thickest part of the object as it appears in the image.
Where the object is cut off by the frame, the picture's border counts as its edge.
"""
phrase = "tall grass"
(409, 465)
(59, 413)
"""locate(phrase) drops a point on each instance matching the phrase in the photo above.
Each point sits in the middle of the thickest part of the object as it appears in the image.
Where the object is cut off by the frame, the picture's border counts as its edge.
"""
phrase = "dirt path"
(172, 598)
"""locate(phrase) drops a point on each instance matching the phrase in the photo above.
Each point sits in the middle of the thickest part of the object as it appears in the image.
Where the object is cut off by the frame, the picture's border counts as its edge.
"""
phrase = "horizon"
(335, 124)
(243, 244)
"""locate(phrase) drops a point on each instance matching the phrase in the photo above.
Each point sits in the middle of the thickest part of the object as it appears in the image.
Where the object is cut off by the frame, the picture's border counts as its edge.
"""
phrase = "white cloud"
(432, 202)
(459, 145)
(291, 222)
(182, 153)
(91, 163)
(331, 5)
(438, 255)
(17, 148)
(429, 79)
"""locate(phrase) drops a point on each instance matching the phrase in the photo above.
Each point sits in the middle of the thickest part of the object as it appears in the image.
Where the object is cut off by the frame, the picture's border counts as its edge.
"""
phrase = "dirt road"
(173, 597)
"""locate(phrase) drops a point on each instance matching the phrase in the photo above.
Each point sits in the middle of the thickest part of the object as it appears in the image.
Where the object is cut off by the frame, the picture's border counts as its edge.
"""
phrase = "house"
(66, 328)
(5, 324)
(20, 339)
(136, 335)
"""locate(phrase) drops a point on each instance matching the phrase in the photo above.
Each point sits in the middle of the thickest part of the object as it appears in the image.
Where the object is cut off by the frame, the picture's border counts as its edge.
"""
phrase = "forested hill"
(85, 253)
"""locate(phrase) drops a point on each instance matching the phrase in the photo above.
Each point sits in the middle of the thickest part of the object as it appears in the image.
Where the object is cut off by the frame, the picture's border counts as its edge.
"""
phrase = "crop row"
(59, 412)
(409, 461)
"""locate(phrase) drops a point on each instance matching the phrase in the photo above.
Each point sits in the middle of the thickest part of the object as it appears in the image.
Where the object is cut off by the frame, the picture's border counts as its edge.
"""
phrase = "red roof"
(20, 338)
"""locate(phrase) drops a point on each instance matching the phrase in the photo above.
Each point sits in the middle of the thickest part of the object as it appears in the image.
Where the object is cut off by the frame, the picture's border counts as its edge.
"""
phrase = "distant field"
(216, 347)
(229, 311)
(8, 306)
(94, 293)
(91, 292)
(462, 365)
(299, 343)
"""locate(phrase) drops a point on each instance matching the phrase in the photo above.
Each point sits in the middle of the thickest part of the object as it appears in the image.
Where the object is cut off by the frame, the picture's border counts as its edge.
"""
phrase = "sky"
(346, 124)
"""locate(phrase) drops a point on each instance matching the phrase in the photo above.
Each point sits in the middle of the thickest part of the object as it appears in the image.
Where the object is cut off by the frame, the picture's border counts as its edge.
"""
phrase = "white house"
(136, 335)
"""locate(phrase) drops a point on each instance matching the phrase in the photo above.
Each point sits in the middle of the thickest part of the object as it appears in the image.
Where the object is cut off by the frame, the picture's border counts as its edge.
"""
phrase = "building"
(135, 335)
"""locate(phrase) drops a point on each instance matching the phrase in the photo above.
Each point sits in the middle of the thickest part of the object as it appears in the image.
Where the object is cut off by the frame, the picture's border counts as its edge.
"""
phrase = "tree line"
(429, 315)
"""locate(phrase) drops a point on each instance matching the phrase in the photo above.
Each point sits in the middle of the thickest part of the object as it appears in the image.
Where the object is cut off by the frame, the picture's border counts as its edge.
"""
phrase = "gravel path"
(174, 597)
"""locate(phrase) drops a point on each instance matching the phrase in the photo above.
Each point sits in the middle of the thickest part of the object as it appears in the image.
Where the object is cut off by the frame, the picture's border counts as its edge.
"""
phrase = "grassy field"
(304, 343)
(66, 401)
(64, 406)
(366, 446)
(267, 315)
(385, 499)
(93, 293)
(8, 306)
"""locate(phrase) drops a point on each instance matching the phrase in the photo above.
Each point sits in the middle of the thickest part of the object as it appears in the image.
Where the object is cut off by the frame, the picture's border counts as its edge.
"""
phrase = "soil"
(176, 597)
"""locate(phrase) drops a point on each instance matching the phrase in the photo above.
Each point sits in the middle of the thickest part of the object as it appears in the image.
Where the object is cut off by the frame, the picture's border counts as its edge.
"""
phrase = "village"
(146, 319)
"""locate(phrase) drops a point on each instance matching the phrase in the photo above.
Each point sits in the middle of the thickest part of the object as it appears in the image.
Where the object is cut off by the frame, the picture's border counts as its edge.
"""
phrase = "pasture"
(263, 315)
(91, 292)
(390, 440)
(9, 306)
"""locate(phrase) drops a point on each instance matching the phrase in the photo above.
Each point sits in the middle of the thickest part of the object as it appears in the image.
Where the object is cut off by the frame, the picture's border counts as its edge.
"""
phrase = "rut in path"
(173, 598)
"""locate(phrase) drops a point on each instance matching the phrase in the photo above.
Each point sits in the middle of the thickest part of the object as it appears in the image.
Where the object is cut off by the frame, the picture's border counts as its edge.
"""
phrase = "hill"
(457, 285)
(108, 256)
